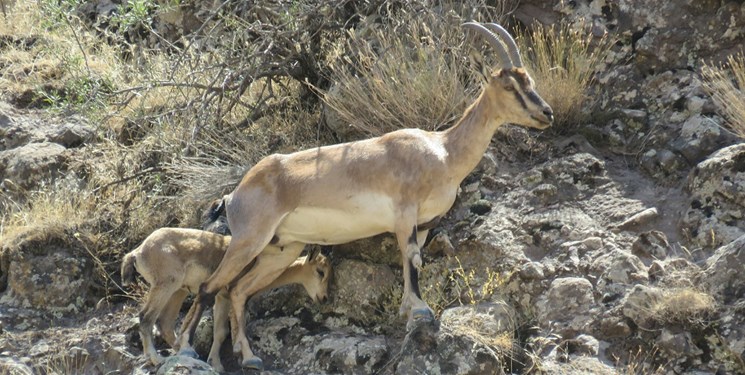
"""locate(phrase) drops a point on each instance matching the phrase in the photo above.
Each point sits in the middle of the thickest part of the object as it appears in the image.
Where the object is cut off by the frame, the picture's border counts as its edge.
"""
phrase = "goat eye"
(509, 88)
(321, 273)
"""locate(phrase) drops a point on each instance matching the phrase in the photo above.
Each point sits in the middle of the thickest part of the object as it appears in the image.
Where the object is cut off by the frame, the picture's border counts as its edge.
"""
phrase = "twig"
(125, 179)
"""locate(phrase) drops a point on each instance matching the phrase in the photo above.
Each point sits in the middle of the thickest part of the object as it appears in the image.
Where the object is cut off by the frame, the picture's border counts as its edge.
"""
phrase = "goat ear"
(477, 64)
(313, 253)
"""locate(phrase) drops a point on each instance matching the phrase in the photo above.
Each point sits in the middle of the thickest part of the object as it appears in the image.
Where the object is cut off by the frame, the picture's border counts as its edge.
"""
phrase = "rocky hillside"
(615, 246)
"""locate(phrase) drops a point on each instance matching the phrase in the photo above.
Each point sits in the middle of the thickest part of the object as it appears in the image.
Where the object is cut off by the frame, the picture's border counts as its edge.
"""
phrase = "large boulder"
(44, 273)
(567, 305)
(715, 215)
(725, 270)
(27, 166)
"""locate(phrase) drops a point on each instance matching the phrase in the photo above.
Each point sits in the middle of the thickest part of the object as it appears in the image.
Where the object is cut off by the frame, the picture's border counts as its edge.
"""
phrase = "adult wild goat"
(175, 261)
(401, 182)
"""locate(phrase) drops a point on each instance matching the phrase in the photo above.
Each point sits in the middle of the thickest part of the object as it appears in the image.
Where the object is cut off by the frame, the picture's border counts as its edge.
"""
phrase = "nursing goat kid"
(401, 182)
(175, 261)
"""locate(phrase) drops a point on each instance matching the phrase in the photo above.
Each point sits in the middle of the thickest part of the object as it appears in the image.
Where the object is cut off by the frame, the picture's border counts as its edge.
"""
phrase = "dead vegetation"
(563, 59)
(725, 84)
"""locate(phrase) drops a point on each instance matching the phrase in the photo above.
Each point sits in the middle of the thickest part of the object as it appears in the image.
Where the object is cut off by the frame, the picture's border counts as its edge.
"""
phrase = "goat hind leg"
(156, 300)
(240, 253)
(167, 319)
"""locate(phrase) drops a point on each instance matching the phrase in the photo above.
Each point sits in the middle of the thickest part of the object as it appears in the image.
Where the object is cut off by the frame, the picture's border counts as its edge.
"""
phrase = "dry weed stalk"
(725, 84)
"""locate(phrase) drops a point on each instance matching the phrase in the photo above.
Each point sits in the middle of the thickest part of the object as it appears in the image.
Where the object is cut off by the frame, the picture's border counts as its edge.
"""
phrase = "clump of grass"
(725, 84)
(682, 306)
(398, 86)
(411, 73)
(562, 60)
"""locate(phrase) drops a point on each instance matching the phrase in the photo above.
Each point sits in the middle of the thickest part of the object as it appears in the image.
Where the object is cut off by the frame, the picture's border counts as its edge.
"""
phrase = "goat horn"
(514, 53)
(504, 58)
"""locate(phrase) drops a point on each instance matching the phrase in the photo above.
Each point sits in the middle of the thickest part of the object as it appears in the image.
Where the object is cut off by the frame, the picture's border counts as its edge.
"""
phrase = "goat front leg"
(408, 239)
(240, 253)
(269, 266)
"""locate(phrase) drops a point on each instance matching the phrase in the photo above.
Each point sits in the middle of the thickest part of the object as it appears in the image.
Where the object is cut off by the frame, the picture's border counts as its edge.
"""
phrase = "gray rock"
(698, 138)
(639, 302)
(27, 166)
(46, 276)
(717, 204)
(652, 244)
(677, 344)
(182, 365)
(429, 350)
(567, 305)
(288, 344)
(360, 289)
(617, 270)
(70, 134)
(724, 271)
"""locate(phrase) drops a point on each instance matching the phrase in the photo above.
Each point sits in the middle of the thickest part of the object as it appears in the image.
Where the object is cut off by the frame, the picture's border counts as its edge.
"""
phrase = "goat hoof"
(253, 363)
(189, 352)
(422, 315)
(419, 317)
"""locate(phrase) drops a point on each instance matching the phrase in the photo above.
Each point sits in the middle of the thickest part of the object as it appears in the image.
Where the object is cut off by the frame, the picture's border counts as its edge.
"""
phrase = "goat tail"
(128, 268)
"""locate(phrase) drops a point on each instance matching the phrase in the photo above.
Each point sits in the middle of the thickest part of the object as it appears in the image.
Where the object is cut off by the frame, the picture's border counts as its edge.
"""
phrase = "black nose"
(549, 114)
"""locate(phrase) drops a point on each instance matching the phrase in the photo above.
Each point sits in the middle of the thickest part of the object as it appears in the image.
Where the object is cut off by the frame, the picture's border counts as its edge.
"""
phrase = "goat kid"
(401, 182)
(175, 261)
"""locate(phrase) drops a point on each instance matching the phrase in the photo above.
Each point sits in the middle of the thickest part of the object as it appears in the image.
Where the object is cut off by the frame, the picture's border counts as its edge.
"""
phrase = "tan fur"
(175, 261)
(339, 193)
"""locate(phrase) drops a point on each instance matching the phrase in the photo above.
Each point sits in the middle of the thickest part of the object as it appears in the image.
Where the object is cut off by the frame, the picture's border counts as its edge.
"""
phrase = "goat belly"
(358, 217)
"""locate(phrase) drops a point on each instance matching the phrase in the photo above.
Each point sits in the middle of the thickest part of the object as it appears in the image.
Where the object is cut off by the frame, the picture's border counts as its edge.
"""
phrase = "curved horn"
(504, 58)
(514, 53)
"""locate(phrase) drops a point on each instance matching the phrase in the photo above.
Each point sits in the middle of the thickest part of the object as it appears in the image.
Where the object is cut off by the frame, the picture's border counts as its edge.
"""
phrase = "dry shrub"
(49, 210)
(725, 84)
(682, 306)
(411, 73)
(562, 60)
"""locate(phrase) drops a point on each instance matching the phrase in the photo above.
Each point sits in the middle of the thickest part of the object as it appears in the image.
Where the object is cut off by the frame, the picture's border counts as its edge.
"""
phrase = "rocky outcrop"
(716, 211)
(35, 151)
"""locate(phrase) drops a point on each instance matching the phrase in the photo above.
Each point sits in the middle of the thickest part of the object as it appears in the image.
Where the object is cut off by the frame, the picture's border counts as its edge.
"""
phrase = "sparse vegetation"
(725, 84)
(563, 59)
(683, 306)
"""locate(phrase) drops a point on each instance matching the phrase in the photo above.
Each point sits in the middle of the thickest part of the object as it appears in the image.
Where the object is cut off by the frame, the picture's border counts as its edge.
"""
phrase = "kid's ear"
(313, 252)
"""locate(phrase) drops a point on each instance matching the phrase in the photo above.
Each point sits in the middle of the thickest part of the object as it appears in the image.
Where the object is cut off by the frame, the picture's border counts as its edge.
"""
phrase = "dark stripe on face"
(414, 278)
(412, 238)
(534, 98)
(520, 99)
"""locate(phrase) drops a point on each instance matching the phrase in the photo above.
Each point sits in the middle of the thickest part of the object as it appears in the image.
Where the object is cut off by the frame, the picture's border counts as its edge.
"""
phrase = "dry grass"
(412, 73)
(725, 84)
(683, 306)
(485, 331)
(562, 60)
